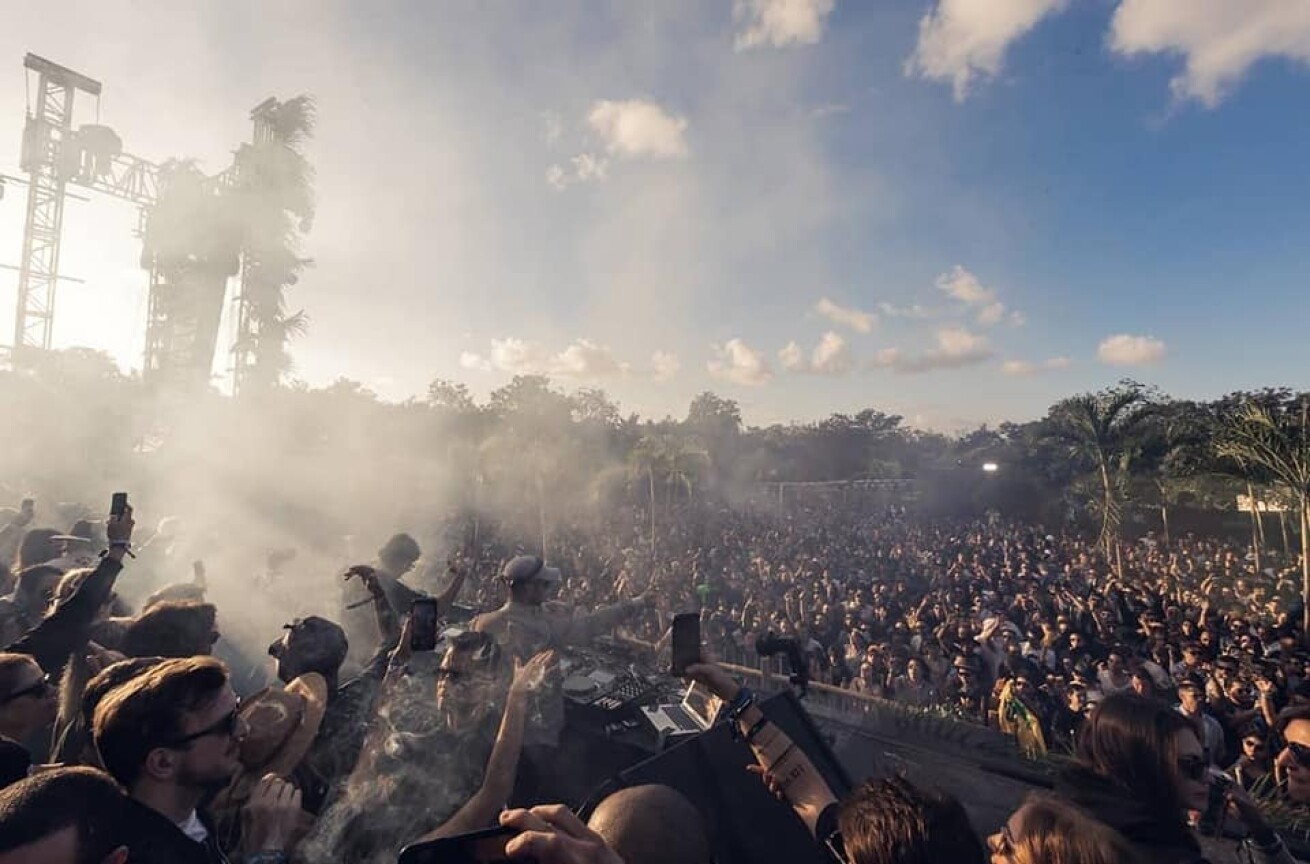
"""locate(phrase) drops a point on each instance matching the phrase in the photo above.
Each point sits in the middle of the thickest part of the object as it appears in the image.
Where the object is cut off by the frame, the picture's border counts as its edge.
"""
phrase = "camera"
(769, 645)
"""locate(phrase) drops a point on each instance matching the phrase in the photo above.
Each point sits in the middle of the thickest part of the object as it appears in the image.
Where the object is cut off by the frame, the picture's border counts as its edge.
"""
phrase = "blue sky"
(958, 210)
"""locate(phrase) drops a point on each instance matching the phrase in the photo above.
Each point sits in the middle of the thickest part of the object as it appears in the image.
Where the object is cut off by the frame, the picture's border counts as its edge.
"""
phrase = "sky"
(956, 210)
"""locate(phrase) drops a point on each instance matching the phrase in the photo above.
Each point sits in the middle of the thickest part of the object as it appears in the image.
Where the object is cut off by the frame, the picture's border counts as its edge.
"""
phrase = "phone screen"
(423, 632)
(118, 504)
(686, 641)
(477, 847)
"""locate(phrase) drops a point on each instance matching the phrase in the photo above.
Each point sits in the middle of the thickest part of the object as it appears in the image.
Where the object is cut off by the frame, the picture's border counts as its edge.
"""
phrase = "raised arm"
(68, 627)
(789, 771)
(480, 810)
(446, 599)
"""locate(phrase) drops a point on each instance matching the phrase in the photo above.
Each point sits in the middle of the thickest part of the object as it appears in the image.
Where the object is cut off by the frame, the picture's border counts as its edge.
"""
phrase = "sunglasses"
(225, 726)
(38, 688)
(1193, 767)
(1300, 753)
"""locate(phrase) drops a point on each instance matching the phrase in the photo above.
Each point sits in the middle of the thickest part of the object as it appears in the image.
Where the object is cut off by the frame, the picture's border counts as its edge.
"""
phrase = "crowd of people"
(1173, 674)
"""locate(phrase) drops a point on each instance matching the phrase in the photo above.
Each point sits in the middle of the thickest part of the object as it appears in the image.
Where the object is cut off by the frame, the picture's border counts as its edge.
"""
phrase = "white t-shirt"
(193, 828)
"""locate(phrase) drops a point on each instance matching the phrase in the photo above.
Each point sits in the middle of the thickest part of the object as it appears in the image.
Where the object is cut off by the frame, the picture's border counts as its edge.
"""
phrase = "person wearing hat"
(317, 647)
(524, 628)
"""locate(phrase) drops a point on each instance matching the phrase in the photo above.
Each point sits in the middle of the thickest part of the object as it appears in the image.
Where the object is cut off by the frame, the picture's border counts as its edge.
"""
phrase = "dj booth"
(629, 726)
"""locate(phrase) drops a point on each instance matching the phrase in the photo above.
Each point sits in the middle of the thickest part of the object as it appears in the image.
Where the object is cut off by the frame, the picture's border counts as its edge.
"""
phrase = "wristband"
(745, 699)
(755, 730)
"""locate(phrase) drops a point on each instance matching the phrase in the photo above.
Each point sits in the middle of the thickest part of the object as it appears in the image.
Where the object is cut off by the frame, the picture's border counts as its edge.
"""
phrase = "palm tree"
(1105, 431)
(275, 204)
(670, 457)
(1274, 437)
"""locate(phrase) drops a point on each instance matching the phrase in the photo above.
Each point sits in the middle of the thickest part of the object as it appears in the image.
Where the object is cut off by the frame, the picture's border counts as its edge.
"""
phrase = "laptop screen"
(701, 704)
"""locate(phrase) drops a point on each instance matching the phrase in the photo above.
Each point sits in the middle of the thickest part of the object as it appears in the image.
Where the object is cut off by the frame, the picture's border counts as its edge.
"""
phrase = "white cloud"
(636, 128)
(965, 287)
(586, 359)
(914, 311)
(960, 40)
(583, 168)
(956, 348)
(861, 322)
(831, 356)
(991, 314)
(665, 365)
(475, 362)
(1026, 368)
(792, 357)
(580, 359)
(1125, 350)
(738, 363)
(962, 285)
(780, 22)
(1218, 39)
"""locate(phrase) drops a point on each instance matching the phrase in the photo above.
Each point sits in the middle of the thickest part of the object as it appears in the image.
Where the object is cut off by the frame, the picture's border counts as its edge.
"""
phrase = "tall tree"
(1104, 431)
(1274, 436)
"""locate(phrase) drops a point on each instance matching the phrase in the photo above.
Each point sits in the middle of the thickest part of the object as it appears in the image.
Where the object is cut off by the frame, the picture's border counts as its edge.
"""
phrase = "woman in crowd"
(1141, 770)
(1047, 830)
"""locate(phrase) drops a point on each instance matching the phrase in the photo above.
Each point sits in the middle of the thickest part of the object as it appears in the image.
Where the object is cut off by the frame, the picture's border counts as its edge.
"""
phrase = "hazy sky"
(958, 210)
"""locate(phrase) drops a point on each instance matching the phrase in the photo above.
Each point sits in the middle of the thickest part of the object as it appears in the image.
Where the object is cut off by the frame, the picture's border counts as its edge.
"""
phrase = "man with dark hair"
(1293, 762)
(171, 737)
(892, 821)
(174, 628)
(652, 825)
(63, 816)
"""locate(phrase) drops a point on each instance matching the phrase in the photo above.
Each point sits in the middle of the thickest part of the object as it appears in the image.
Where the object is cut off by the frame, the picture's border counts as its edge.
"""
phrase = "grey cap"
(529, 567)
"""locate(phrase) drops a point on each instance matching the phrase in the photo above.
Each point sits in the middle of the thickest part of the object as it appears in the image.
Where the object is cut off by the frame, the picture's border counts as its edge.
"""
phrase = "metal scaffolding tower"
(47, 129)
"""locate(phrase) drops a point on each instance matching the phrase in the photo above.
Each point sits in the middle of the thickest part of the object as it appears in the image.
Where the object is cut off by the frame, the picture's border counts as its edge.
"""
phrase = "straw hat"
(281, 725)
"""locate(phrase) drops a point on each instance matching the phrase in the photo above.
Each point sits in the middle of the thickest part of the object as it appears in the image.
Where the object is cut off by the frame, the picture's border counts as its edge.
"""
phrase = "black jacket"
(1158, 837)
(152, 838)
(68, 628)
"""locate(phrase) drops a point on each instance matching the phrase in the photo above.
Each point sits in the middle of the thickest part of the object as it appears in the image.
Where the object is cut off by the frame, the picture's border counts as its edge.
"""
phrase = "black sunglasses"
(37, 688)
(225, 726)
(1300, 753)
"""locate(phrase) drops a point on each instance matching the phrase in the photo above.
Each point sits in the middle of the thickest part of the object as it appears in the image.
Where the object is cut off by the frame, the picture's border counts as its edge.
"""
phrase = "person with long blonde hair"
(1048, 830)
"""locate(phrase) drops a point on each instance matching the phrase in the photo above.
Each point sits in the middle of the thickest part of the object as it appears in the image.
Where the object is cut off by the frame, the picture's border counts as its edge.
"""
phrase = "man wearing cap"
(524, 628)
(1191, 704)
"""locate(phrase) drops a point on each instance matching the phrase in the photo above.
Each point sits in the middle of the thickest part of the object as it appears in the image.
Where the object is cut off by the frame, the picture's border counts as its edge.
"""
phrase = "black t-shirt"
(15, 761)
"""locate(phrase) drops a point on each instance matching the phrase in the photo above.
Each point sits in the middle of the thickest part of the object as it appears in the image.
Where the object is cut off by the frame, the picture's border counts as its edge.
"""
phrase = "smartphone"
(476, 847)
(423, 630)
(686, 641)
(118, 504)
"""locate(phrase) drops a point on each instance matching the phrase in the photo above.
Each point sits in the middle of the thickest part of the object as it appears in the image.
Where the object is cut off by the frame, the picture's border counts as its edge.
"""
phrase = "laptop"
(693, 715)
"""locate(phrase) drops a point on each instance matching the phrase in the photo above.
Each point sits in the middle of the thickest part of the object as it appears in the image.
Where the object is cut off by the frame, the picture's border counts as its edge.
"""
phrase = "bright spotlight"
(991, 467)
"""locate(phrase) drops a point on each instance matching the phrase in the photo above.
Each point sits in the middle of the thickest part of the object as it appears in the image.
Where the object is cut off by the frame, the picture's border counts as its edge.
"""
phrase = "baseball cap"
(526, 567)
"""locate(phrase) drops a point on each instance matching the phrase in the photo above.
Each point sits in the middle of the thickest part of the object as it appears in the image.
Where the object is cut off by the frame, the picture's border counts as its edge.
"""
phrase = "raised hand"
(529, 676)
